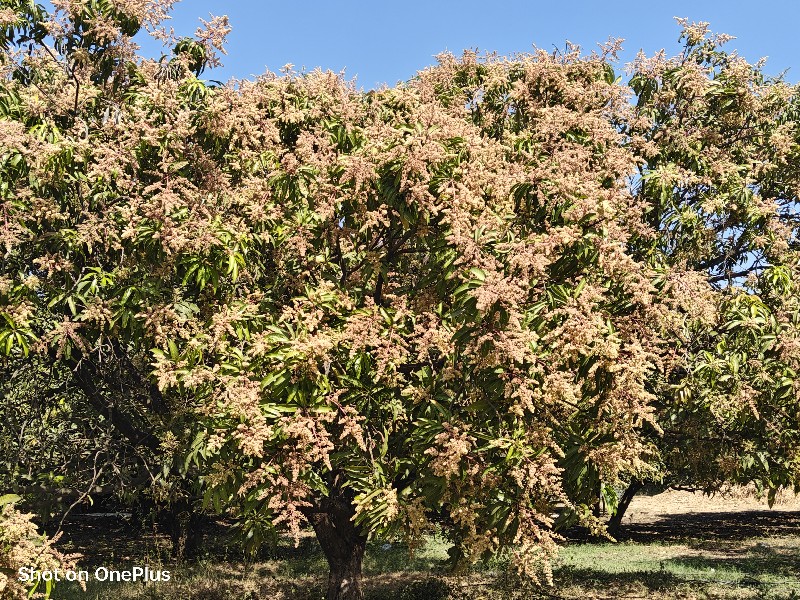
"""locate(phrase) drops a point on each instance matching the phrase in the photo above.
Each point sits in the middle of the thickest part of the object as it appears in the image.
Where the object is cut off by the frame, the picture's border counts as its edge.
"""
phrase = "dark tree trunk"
(615, 521)
(599, 506)
(185, 527)
(90, 381)
(343, 545)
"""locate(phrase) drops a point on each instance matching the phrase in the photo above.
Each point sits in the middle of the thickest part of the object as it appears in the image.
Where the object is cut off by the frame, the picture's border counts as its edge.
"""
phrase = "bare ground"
(737, 514)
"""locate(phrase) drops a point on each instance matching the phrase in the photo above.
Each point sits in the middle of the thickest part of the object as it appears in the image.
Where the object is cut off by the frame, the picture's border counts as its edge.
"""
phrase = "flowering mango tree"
(719, 173)
(452, 303)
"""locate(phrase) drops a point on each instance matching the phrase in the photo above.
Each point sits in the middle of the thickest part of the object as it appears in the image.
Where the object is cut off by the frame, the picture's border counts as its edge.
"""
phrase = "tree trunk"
(599, 507)
(615, 521)
(185, 529)
(343, 545)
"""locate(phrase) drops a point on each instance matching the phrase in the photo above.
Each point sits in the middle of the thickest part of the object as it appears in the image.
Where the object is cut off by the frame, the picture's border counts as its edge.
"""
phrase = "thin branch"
(96, 475)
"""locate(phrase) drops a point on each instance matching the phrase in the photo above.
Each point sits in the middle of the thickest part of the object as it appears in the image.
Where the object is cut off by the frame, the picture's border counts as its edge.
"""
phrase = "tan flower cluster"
(7, 17)
(451, 446)
(21, 545)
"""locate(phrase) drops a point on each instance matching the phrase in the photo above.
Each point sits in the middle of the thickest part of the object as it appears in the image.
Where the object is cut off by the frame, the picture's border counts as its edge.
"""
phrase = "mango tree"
(442, 303)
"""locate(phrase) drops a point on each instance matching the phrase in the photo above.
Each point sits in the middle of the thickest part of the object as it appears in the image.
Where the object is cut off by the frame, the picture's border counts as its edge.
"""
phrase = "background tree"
(718, 146)
(112, 424)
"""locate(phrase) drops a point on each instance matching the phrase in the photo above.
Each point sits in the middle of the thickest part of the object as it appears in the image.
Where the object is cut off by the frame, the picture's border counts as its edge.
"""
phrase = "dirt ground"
(667, 505)
(736, 515)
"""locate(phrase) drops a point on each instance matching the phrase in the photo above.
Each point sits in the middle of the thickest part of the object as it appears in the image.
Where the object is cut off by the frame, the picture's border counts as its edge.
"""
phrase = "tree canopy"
(474, 301)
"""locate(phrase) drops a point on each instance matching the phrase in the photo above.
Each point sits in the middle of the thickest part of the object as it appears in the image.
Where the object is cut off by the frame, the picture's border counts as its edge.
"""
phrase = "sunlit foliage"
(477, 299)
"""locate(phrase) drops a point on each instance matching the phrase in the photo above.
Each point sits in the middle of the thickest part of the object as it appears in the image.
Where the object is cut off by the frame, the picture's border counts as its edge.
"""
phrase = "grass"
(750, 568)
(713, 559)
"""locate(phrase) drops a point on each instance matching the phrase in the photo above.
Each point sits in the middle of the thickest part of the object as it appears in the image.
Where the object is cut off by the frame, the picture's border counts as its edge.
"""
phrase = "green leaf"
(9, 499)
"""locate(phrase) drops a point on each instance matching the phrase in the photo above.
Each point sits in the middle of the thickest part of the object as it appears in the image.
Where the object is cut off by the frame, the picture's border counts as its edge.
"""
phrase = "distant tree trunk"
(615, 521)
(599, 507)
(343, 545)
(185, 530)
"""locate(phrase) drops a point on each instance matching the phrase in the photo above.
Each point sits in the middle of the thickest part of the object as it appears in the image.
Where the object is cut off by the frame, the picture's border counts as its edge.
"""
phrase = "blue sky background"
(385, 42)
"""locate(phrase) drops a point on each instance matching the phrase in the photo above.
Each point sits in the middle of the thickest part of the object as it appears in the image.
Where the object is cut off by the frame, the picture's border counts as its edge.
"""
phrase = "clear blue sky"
(382, 41)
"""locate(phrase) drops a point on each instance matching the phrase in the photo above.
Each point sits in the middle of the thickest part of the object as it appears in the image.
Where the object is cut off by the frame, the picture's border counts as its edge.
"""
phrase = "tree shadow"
(103, 539)
(429, 588)
(764, 568)
(712, 527)
(759, 560)
(618, 584)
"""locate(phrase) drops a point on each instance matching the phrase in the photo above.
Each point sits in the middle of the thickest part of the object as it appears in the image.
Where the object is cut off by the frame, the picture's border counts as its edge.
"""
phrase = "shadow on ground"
(714, 526)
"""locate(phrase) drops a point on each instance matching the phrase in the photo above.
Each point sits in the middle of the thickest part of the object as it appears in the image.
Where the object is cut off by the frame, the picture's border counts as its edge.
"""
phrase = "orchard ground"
(673, 545)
